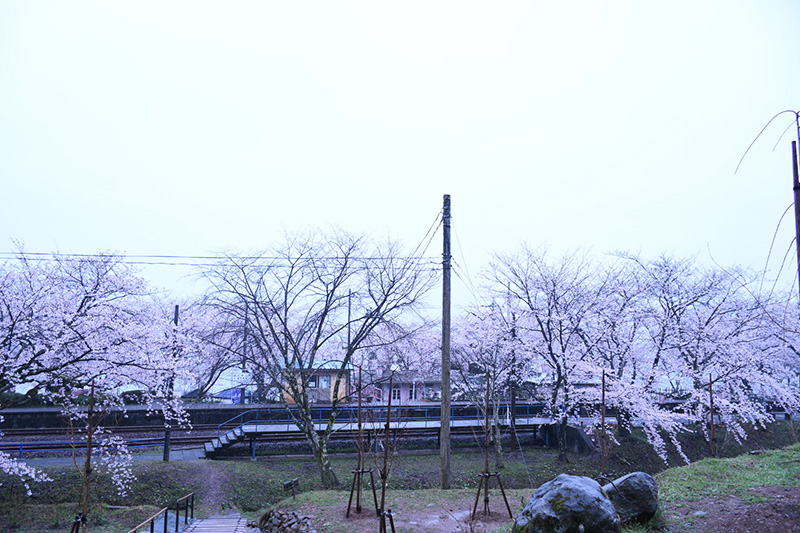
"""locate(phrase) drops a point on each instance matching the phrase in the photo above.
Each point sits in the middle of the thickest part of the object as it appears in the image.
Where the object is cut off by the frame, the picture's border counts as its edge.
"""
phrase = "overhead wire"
(797, 121)
(203, 260)
(769, 253)
(185, 260)
(430, 234)
(468, 284)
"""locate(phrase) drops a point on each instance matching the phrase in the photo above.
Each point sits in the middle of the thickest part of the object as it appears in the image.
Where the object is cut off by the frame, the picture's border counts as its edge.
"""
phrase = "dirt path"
(212, 495)
(781, 514)
(447, 512)
(450, 512)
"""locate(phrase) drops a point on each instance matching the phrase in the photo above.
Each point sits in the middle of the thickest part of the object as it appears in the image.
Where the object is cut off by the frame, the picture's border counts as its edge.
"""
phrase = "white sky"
(186, 128)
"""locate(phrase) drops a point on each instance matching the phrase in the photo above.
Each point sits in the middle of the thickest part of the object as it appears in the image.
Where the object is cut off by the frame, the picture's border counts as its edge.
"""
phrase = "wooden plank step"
(220, 524)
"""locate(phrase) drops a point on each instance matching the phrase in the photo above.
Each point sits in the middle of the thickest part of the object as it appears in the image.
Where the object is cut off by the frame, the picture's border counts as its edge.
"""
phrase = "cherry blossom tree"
(214, 344)
(556, 301)
(69, 323)
(484, 346)
(710, 328)
(669, 329)
(660, 329)
(622, 354)
(62, 319)
(317, 298)
(19, 469)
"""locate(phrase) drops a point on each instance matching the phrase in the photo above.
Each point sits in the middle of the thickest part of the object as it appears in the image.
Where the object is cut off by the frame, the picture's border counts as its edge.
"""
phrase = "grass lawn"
(254, 486)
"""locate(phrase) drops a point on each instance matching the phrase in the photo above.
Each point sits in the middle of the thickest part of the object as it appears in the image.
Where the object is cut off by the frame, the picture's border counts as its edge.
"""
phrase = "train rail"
(116, 430)
(38, 441)
(45, 441)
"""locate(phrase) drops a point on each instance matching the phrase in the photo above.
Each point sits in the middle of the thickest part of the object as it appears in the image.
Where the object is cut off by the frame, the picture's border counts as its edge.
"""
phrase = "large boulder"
(635, 496)
(568, 504)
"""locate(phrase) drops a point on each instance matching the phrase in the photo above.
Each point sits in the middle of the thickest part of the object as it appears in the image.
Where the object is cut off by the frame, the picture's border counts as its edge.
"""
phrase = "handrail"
(346, 413)
(152, 520)
(189, 505)
(189, 498)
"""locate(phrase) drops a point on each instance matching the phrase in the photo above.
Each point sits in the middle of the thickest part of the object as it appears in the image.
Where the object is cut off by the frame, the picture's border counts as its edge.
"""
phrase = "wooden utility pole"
(170, 386)
(796, 188)
(603, 425)
(513, 414)
(713, 437)
(242, 389)
(444, 432)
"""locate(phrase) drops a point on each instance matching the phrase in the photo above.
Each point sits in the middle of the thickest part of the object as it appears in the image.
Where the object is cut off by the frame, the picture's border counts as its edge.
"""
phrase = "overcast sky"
(185, 128)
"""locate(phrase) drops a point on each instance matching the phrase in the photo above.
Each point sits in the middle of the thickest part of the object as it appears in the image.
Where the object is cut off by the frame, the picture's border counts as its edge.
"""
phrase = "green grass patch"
(722, 478)
(47, 518)
(253, 486)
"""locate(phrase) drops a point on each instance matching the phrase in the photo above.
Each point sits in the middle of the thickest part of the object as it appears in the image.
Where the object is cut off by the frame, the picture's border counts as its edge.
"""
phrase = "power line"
(468, 281)
(216, 260)
(195, 260)
(430, 234)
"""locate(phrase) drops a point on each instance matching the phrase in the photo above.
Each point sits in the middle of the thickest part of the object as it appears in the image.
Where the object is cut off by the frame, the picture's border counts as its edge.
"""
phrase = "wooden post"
(711, 408)
(360, 462)
(358, 473)
(796, 189)
(385, 469)
(170, 385)
(486, 450)
(513, 413)
(483, 477)
(444, 431)
(603, 425)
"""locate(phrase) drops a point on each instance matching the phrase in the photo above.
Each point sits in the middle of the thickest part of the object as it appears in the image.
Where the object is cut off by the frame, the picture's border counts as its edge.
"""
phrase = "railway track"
(116, 430)
(27, 447)
(21, 441)
(39, 440)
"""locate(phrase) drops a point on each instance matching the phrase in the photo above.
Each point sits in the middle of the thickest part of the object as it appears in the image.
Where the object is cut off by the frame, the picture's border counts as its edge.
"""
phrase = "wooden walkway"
(220, 524)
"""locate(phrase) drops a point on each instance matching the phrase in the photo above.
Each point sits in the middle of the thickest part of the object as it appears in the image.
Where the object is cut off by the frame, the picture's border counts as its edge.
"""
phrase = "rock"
(277, 521)
(568, 504)
(635, 496)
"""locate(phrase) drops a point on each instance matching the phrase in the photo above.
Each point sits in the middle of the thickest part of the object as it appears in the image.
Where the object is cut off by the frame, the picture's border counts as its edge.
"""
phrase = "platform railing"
(374, 413)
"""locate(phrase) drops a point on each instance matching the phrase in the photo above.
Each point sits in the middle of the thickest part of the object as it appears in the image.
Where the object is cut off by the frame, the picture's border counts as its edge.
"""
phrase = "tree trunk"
(497, 436)
(558, 404)
(328, 476)
(87, 466)
(562, 439)
(624, 422)
(319, 447)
